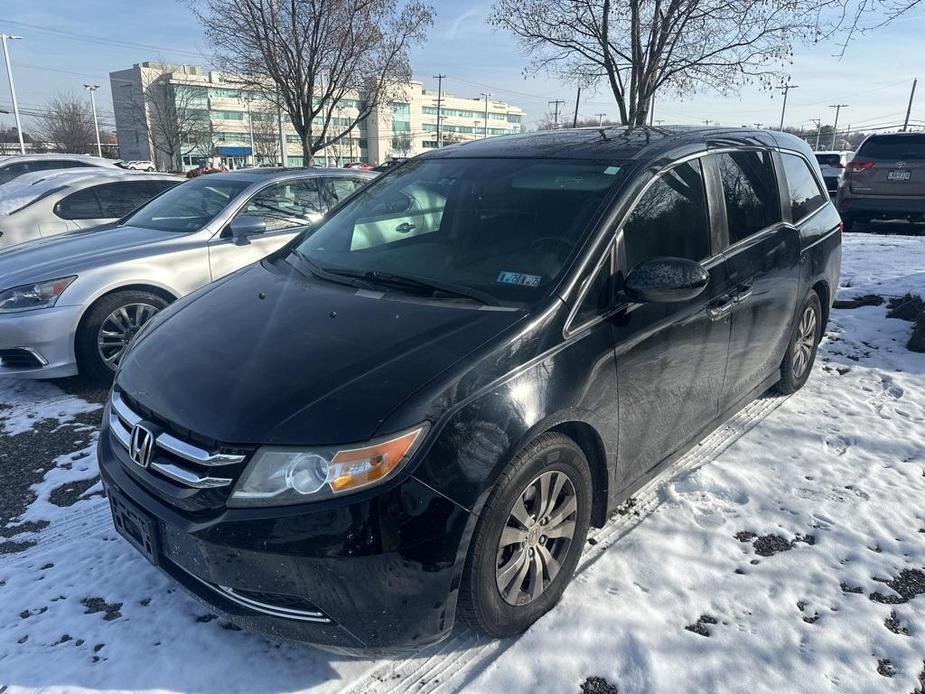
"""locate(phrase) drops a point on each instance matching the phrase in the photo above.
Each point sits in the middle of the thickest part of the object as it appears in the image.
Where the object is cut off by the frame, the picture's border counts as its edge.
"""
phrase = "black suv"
(416, 409)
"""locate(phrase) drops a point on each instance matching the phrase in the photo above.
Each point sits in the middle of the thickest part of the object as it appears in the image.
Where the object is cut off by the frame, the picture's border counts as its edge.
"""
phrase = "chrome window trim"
(568, 330)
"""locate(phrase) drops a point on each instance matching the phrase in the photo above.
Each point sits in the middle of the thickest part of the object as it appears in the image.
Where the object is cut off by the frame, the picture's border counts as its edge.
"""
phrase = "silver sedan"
(72, 304)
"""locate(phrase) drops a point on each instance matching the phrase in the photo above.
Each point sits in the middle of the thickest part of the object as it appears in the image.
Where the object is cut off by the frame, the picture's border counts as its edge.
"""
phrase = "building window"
(294, 161)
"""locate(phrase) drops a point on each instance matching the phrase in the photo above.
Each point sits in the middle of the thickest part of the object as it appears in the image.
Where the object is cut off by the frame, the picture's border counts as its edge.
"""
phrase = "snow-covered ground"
(786, 553)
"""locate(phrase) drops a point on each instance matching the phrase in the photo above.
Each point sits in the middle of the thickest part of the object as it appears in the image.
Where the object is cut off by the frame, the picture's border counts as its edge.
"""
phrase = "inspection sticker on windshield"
(519, 278)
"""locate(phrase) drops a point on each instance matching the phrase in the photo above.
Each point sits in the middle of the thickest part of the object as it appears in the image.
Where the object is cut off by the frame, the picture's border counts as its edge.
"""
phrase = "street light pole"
(250, 125)
(9, 75)
(838, 108)
(439, 79)
(486, 95)
(786, 89)
(96, 125)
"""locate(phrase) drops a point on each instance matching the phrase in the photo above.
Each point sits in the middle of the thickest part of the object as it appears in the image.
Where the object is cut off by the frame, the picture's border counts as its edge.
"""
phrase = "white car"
(833, 166)
(19, 164)
(39, 205)
(141, 165)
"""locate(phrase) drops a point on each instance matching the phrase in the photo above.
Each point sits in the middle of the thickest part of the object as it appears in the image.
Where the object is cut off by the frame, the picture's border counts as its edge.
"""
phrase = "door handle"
(742, 295)
(405, 227)
(721, 310)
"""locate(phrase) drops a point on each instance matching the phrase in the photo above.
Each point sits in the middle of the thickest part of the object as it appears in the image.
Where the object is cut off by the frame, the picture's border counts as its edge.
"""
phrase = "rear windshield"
(828, 159)
(894, 147)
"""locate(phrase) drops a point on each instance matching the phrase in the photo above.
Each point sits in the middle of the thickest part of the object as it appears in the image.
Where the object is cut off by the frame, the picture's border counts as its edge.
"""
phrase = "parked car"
(44, 204)
(885, 180)
(832, 165)
(72, 303)
(351, 443)
(359, 166)
(389, 165)
(138, 165)
(17, 165)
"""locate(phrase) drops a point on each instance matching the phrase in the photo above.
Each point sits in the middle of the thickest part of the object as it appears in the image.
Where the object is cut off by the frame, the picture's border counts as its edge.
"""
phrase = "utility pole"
(786, 89)
(818, 122)
(600, 119)
(96, 126)
(659, 121)
(9, 75)
(707, 121)
(909, 107)
(439, 79)
(838, 108)
(486, 95)
(575, 117)
(555, 118)
(758, 125)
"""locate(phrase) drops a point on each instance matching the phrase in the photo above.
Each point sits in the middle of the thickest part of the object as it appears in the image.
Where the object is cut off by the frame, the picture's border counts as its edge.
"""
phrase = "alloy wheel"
(118, 329)
(805, 341)
(536, 537)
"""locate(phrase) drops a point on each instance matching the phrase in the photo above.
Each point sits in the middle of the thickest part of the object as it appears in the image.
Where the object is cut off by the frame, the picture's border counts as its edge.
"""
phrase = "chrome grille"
(122, 420)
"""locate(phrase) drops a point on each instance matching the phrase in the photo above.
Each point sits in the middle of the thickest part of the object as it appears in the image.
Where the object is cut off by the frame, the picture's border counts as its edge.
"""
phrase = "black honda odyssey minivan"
(418, 407)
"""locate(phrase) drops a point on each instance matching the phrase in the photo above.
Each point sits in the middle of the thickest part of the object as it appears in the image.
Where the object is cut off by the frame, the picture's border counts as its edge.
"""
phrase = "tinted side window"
(750, 189)
(8, 173)
(805, 195)
(597, 299)
(287, 205)
(118, 199)
(340, 188)
(49, 164)
(80, 205)
(670, 219)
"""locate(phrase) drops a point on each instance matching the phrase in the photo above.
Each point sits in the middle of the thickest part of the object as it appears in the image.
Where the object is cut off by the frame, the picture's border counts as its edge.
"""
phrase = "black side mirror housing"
(665, 280)
(244, 226)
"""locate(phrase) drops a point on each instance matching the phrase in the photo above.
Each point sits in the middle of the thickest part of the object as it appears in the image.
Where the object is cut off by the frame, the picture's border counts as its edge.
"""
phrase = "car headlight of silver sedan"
(278, 475)
(32, 296)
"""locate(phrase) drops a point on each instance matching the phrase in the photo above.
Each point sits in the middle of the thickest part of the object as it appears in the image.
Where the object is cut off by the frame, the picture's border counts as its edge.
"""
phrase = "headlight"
(278, 476)
(32, 296)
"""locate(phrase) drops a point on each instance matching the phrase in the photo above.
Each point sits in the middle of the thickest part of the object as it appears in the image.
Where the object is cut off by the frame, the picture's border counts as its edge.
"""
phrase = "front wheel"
(528, 539)
(801, 353)
(108, 327)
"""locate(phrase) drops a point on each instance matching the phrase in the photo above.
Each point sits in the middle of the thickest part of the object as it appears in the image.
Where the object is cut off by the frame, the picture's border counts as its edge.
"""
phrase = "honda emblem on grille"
(141, 445)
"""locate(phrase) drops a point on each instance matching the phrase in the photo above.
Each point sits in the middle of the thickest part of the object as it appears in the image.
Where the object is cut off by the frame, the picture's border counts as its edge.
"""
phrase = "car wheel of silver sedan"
(108, 328)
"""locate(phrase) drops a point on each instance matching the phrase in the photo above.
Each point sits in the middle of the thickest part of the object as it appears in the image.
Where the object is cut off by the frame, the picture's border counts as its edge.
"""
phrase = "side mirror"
(244, 226)
(665, 280)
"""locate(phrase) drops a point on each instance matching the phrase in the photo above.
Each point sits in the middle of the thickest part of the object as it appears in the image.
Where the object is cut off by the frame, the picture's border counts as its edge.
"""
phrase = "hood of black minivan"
(273, 357)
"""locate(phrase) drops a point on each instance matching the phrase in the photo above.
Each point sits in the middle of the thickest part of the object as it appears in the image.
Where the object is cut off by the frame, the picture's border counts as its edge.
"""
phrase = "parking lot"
(788, 547)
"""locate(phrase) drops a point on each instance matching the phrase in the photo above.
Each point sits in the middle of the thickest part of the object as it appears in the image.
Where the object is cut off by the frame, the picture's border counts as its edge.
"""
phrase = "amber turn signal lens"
(358, 467)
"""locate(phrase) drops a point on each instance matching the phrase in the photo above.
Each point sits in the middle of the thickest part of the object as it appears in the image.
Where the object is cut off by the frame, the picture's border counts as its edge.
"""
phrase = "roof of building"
(262, 173)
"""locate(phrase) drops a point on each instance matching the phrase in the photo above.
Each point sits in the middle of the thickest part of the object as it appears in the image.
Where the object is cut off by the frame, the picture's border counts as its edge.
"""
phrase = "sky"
(67, 44)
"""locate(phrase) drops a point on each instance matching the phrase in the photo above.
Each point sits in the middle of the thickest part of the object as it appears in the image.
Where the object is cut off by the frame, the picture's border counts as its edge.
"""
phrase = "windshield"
(893, 147)
(189, 206)
(504, 228)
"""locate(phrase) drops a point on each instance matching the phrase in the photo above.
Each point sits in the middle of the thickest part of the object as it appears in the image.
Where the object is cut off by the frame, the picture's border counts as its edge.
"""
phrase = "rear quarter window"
(804, 194)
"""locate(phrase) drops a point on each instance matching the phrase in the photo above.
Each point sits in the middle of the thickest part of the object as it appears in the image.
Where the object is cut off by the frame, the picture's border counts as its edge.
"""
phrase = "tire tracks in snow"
(455, 662)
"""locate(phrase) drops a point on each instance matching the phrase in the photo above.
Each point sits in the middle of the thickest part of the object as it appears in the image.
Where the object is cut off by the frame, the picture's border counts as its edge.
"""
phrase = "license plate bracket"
(898, 175)
(134, 525)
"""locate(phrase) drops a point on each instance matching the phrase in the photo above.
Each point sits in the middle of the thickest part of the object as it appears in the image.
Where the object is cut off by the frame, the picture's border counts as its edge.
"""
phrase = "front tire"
(804, 341)
(108, 327)
(528, 539)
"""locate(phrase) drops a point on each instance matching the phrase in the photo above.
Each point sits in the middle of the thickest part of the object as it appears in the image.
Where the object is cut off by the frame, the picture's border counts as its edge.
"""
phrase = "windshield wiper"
(420, 283)
(328, 275)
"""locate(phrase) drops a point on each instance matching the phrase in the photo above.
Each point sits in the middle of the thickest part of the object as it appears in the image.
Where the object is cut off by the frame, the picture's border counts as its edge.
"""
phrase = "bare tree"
(173, 116)
(639, 47)
(313, 54)
(66, 124)
(266, 134)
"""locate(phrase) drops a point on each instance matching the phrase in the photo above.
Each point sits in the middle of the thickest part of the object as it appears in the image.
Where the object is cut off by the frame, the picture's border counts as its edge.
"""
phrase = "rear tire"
(804, 341)
(517, 571)
(127, 311)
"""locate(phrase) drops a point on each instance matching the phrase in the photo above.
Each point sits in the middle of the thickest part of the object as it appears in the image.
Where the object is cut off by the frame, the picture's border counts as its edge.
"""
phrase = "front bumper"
(48, 333)
(885, 207)
(368, 572)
